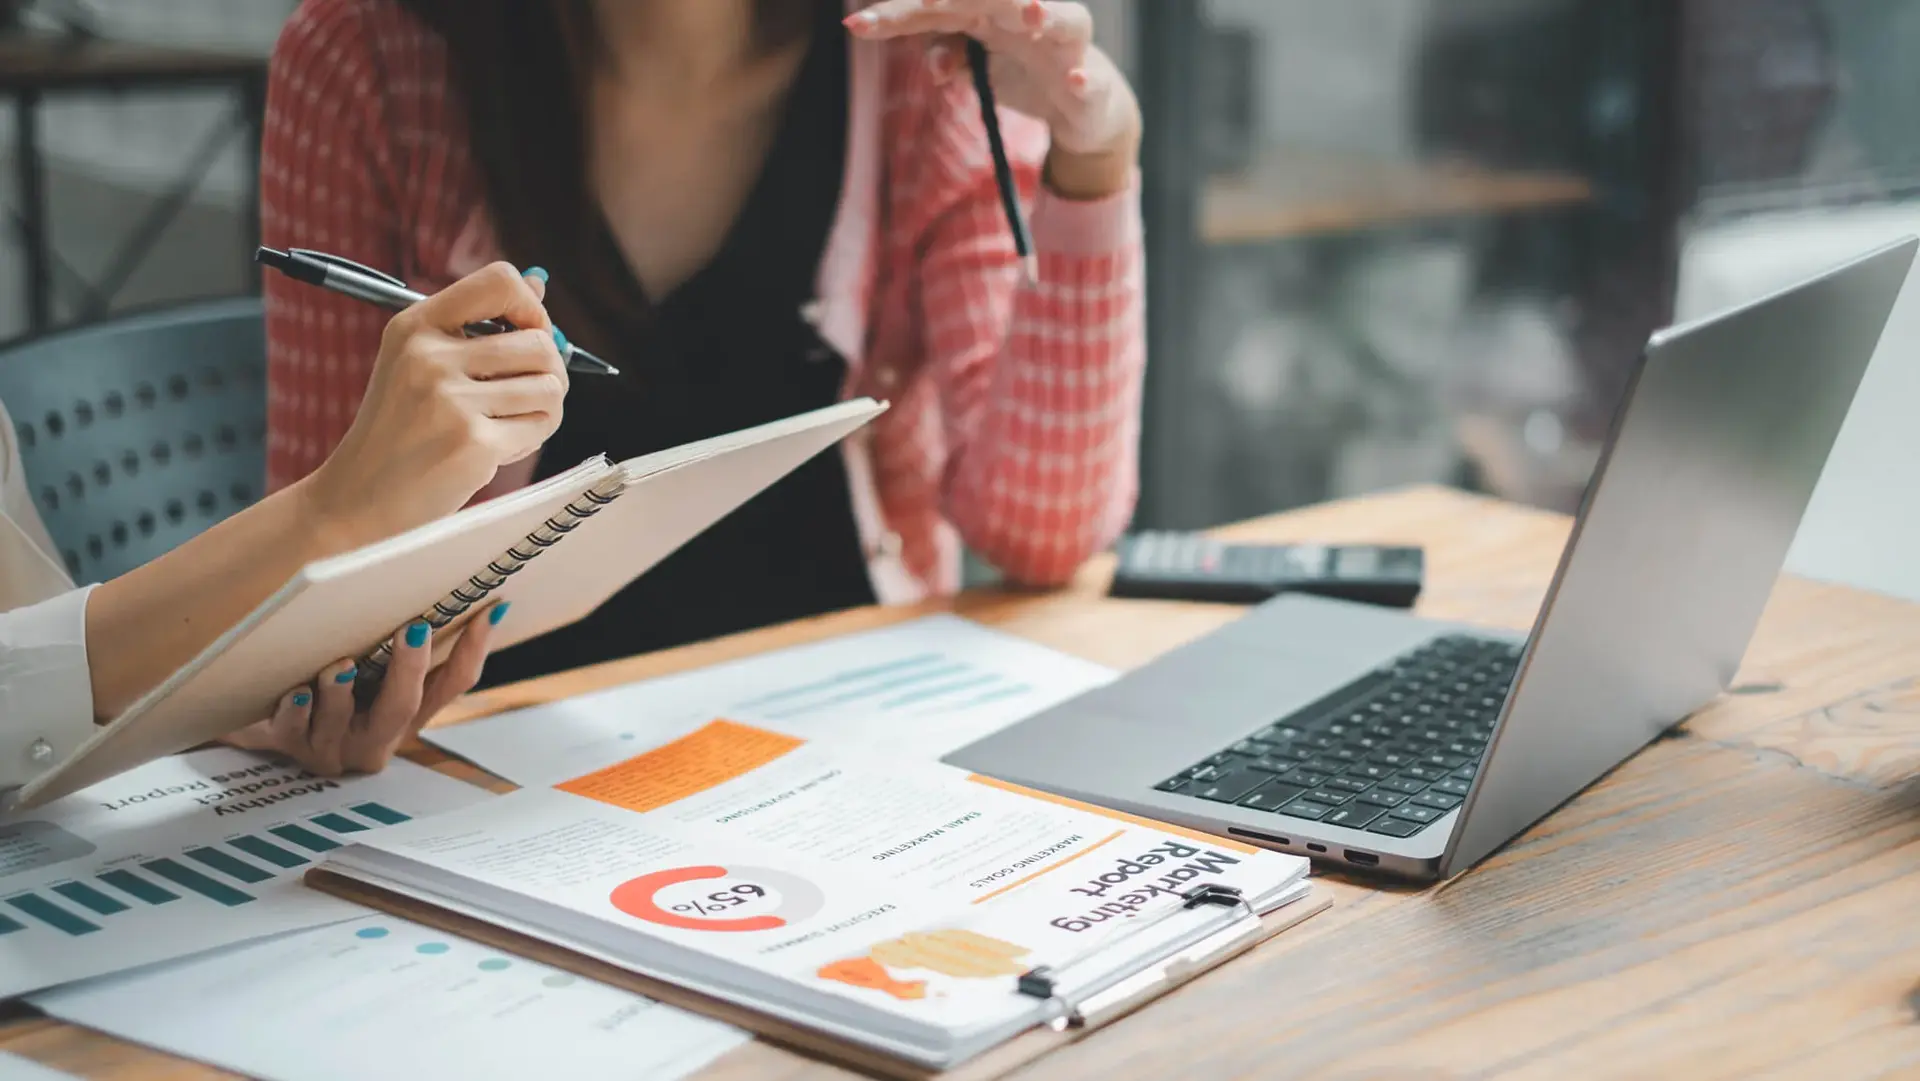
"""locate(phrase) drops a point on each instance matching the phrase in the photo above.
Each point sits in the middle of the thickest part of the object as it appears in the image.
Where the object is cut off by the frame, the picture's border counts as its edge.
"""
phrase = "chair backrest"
(137, 433)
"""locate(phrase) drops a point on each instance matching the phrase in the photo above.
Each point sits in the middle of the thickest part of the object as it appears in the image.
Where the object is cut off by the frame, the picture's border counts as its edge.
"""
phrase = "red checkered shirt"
(1014, 427)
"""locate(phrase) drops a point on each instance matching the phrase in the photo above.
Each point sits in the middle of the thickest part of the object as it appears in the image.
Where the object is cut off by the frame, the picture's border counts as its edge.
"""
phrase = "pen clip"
(344, 263)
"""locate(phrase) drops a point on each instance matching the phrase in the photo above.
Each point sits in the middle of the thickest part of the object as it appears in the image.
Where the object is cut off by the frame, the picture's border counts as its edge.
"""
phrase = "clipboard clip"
(1111, 993)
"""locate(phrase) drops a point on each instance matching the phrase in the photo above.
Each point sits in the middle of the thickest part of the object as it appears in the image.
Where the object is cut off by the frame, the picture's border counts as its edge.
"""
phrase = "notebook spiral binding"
(373, 667)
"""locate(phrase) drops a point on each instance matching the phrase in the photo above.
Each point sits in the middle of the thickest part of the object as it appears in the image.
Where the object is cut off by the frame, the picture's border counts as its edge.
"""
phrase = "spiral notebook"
(614, 522)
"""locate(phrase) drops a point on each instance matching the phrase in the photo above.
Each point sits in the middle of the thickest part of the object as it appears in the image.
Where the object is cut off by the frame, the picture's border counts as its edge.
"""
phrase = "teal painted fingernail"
(301, 699)
(417, 634)
(346, 676)
(537, 272)
(560, 341)
(499, 612)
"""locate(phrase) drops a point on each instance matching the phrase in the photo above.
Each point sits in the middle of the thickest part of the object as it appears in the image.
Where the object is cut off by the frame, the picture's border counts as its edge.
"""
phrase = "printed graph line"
(871, 690)
(851, 675)
(940, 691)
(1001, 695)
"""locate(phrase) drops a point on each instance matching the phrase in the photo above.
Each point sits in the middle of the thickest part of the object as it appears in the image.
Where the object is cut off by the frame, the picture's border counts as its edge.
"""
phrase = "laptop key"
(1270, 797)
(1349, 784)
(1372, 771)
(1439, 801)
(1413, 812)
(1306, 808)
(1406, 786)
(1395, 827)
(1329, 796)
(1328, 765)
(1249, 749)
(1203, 773)
(1381, 798)
(1172, 784)
(1230, 788)
(1423, 772)
(1466, 772)
(1305, 778)
(1354, 816)
(1269, 765)
(1453, 786)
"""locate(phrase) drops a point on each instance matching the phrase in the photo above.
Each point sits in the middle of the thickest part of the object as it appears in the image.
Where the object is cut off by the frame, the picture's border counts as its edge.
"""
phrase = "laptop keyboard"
(1390, 753)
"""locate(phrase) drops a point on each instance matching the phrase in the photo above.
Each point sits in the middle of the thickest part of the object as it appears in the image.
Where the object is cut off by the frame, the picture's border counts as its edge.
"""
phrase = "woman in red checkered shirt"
(753, 208)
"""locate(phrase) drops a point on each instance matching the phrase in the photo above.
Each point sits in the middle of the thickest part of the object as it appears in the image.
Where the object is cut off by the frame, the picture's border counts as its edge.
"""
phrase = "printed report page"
(905, 885)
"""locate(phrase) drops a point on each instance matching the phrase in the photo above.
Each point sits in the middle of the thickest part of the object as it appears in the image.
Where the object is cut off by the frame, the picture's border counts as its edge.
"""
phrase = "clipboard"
(1084, 1006)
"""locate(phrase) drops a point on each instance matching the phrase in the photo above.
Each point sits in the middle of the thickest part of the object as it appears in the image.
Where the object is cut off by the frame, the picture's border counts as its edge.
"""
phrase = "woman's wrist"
(335, 523)
(1090, 177)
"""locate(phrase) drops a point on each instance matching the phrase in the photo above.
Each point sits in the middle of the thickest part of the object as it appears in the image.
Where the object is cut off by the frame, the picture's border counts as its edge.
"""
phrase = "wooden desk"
(1742, 900)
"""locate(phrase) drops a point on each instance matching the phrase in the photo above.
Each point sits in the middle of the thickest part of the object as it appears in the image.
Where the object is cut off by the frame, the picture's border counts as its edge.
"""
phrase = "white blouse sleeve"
(46, 691)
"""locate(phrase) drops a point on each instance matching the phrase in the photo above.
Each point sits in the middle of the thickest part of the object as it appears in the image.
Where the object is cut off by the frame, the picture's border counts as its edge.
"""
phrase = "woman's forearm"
(148, 622)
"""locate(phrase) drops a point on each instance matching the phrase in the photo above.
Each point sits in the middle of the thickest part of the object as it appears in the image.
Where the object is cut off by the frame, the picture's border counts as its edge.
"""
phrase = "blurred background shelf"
(1289, 194)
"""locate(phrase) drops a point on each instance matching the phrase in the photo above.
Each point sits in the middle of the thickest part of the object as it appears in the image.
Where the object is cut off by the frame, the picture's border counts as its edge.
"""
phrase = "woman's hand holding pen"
(444, 411)
(1043, 63)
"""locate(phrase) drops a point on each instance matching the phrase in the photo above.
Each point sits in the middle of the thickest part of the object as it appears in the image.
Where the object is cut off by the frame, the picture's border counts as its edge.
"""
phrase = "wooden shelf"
(44, 62)
(1309, 194)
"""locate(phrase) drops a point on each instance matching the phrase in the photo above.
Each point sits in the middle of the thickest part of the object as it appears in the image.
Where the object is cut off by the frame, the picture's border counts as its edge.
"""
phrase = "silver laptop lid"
(1714, 454)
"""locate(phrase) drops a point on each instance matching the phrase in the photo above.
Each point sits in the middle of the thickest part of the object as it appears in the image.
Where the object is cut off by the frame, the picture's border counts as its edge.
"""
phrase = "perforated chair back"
(137, 433)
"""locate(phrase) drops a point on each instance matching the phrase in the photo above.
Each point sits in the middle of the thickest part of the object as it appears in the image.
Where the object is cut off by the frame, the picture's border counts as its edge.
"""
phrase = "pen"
(1002, 169)
(348, 278)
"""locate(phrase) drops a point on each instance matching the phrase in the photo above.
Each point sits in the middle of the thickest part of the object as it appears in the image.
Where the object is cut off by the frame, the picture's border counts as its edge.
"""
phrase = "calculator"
(1166, 565)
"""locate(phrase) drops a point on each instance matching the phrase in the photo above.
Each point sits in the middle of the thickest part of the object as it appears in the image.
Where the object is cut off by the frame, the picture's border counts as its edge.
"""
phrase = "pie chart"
(713, 898)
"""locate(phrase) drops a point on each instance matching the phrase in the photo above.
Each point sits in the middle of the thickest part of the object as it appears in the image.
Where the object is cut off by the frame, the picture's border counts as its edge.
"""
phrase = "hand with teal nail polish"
(326, 730)
(443, 412)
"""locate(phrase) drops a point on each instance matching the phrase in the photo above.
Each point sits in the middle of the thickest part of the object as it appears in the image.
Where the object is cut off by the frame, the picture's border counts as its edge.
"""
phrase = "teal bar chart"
(189, 879)
(89, 898)
(338, 823)
(52, 915)
(305, 838)
(230, 866)
(380, 813)
(261, 849)
(138, 888)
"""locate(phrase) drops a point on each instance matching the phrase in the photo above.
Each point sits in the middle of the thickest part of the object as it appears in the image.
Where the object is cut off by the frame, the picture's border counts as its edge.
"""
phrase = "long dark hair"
(522, 70)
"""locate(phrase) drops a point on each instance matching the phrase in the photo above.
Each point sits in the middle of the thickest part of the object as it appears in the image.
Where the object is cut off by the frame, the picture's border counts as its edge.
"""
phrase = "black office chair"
(137, 433)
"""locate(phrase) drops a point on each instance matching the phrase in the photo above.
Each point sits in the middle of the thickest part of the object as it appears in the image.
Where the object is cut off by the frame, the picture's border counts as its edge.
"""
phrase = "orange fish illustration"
(870, 974)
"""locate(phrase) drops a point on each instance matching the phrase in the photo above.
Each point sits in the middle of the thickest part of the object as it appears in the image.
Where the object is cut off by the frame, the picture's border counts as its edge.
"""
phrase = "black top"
(727, 350)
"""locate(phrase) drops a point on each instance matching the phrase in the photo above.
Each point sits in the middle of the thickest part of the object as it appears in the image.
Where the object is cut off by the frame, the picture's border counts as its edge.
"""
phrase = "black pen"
(1002, 169)
(348, 278)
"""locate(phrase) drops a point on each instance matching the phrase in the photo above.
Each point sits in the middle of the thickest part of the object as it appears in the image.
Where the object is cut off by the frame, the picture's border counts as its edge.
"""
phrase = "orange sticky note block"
(708, 758)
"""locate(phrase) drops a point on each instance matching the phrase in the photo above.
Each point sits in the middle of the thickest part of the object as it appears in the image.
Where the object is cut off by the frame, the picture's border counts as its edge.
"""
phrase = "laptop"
(1371, 738)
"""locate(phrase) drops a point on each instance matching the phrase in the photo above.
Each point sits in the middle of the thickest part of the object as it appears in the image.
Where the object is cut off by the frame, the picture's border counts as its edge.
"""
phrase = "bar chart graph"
(927, 683)
(226, 886)
(187, 854)
(920, 688)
